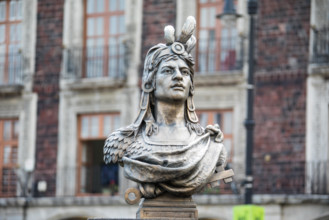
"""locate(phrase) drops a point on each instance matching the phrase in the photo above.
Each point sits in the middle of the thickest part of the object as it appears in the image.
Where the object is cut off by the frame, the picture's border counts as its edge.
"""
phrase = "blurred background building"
(70, 73)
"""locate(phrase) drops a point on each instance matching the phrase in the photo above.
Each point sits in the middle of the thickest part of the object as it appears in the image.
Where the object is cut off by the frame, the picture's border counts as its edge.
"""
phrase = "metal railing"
(280, 177)
(95, 62)
(321, 46)
(102, 179)
(11, 68)
(289, 177)
(9, 182)
(273, 177)
(219, 54)
(286, 177)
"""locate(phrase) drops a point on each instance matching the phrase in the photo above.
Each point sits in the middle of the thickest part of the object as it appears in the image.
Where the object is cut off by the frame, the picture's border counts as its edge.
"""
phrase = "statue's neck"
(171, 123)
(170, 114)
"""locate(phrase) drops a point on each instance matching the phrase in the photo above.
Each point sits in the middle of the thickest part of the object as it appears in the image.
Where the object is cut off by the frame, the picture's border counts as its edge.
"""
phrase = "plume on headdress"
(187, 30)
(190, 44)
(169, 34)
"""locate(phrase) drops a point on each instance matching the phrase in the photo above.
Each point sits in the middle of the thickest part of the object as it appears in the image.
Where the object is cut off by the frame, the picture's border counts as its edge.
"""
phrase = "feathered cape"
(177, 169)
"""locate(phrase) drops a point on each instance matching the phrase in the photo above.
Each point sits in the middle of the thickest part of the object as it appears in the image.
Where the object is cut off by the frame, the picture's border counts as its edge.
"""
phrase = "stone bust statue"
(166, 149)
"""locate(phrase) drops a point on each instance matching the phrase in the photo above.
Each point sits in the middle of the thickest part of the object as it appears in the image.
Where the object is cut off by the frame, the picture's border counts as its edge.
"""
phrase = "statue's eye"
(185, 72)
(167, 71)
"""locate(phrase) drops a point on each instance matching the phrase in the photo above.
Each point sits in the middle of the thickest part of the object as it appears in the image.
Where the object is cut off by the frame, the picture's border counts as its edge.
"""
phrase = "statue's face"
(173, 81)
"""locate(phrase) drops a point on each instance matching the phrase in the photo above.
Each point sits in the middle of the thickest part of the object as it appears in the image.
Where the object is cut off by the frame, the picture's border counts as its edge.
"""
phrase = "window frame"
(219, 39)
(106, 14)
(8, 23)
(199, 28)
(12, 143)
(81, 140)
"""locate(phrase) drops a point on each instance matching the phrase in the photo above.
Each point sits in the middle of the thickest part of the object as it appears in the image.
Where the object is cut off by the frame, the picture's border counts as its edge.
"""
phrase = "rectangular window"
(94, 177)
(216, 48)
(8, 156)
(224, 118)
(105, 28)
(320, 32)
(11, 60)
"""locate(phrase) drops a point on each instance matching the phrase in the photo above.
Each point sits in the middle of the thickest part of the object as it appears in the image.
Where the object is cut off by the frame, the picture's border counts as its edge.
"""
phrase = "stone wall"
(280, 96)
(46, 85)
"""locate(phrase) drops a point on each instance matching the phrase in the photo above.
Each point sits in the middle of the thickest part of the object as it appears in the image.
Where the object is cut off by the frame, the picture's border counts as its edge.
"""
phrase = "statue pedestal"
(167, 207)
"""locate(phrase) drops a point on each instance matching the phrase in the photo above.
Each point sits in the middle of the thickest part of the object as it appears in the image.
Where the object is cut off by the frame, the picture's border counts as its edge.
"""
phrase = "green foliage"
(248, 212)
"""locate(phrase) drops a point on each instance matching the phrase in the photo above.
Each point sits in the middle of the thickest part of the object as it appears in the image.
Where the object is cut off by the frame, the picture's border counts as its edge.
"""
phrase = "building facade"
(70, 73)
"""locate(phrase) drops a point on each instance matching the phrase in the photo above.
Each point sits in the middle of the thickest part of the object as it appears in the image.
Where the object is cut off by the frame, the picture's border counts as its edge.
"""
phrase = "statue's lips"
(178, 87)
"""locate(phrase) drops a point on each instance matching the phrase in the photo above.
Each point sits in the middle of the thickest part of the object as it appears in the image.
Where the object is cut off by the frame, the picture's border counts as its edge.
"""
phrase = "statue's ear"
(148, 84)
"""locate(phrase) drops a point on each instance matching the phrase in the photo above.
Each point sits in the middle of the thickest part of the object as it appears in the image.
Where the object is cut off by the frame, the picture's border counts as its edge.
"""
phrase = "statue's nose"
(177, 74)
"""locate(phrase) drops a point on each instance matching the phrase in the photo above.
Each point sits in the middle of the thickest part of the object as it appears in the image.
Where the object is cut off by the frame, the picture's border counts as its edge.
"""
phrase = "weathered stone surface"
(165, 149)
(168, 207)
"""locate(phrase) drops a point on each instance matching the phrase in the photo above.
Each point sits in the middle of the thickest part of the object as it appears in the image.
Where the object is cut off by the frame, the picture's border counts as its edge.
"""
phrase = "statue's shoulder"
(117, 143)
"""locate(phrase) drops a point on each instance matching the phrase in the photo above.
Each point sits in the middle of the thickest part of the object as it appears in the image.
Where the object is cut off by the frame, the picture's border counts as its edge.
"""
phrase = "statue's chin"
(174, 98)
(179, 99)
